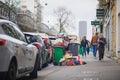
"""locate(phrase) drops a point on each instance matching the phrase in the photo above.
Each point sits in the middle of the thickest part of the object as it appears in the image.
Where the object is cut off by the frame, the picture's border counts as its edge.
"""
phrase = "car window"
(9, 30)
(40, 40)
(28, 38)
(19, 33)
(31, 38)
(1, 30)
(21, 37)
(52, 38)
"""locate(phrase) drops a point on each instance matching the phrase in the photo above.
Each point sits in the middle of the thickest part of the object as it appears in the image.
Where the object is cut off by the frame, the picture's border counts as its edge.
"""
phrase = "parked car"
(52, 39)
(17, 57)
(48, 45)
(43, 35)
(37, 40)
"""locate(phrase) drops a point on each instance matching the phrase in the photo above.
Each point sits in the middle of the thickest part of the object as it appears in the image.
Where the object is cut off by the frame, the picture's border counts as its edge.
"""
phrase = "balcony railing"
(7, 12)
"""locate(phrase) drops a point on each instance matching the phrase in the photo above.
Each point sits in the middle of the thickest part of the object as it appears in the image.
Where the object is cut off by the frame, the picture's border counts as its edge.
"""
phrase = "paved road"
(93, 70)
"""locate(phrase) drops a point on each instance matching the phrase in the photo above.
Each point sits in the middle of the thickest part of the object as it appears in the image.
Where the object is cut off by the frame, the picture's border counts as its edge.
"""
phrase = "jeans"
(94, 46)
(83, 51)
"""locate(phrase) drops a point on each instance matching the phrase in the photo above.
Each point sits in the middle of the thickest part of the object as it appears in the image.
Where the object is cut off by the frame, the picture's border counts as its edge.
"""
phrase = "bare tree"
(63, 17)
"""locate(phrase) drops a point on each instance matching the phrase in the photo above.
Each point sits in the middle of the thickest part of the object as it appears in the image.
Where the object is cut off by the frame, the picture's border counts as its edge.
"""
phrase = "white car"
(17, 57)
(43, 35)
(52, 38)
(36, 40)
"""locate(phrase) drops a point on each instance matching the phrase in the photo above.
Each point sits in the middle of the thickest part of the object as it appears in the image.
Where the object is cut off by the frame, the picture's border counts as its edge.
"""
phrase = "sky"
(83, 10)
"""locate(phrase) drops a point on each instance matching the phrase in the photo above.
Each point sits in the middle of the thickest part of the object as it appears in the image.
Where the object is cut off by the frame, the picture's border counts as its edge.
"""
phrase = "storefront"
(107, 32)
(118, 29)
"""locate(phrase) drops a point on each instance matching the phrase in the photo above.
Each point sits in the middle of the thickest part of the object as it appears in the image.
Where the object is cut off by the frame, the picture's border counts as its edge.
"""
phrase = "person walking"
(88, 47)
(101, 46)
(94, 44)
(84, 44)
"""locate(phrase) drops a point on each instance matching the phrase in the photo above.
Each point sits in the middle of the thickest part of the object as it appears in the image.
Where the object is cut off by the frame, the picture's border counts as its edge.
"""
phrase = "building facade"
(109, 23)
(30, 12)
(118, 28)
(7, 9)
(113, 27)
(93, 30)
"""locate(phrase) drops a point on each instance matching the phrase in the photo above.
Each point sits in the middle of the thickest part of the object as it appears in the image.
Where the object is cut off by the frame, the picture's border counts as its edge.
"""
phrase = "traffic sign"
(95, 22)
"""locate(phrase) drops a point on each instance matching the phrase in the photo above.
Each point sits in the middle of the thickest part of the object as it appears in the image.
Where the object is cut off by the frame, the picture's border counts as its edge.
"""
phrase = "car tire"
(34, 73)
(11, 74)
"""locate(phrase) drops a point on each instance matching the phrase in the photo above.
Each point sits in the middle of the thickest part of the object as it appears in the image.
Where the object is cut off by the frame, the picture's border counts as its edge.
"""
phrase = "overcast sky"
(81, 9)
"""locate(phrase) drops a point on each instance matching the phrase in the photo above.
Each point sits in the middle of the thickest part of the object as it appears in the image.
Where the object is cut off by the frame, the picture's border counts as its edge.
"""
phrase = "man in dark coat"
(101, 46)
(84, 44)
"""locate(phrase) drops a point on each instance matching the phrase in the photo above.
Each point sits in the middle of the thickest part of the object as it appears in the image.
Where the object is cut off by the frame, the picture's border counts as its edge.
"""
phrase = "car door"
(42, 48)
(14, 45)
(29, 53)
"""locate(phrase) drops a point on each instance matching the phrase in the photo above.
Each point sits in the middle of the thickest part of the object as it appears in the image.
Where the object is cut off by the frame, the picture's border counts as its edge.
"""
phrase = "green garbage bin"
(58, 54)
(80, 50)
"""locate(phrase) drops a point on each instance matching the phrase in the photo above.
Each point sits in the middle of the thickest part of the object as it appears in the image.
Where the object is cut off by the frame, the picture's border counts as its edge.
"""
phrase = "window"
(21, 37)
(1, 31)
(31, 38)
(40, 39)
(28, 38)
(9, 30)
(19, 33)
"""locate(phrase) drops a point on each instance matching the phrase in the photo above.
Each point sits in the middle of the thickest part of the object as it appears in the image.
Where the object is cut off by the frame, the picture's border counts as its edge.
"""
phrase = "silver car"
(17, 57)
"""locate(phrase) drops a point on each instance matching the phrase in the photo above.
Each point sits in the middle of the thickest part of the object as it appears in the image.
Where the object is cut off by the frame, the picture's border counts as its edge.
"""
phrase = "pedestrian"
(101, 46)
(88, 47)
(84, 44)
(94, 44)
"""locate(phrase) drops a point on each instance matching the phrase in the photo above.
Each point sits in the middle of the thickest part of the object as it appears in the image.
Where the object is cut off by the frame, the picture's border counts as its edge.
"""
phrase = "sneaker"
(100, 59)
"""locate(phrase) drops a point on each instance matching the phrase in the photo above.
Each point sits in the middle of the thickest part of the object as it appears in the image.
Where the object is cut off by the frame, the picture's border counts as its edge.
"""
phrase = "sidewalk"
(90, 58)
(106, 69)
(116, 59)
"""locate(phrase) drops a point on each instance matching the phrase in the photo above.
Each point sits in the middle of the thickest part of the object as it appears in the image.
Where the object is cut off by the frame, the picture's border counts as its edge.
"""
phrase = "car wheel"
(11, 74)
(34, 73)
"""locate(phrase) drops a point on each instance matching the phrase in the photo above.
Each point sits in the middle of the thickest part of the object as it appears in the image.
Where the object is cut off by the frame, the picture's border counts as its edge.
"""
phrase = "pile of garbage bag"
(70, 60)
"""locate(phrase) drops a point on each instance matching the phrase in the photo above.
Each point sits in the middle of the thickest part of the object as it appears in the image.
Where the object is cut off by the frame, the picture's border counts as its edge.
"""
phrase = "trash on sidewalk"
(70, 60)
(66, 52)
